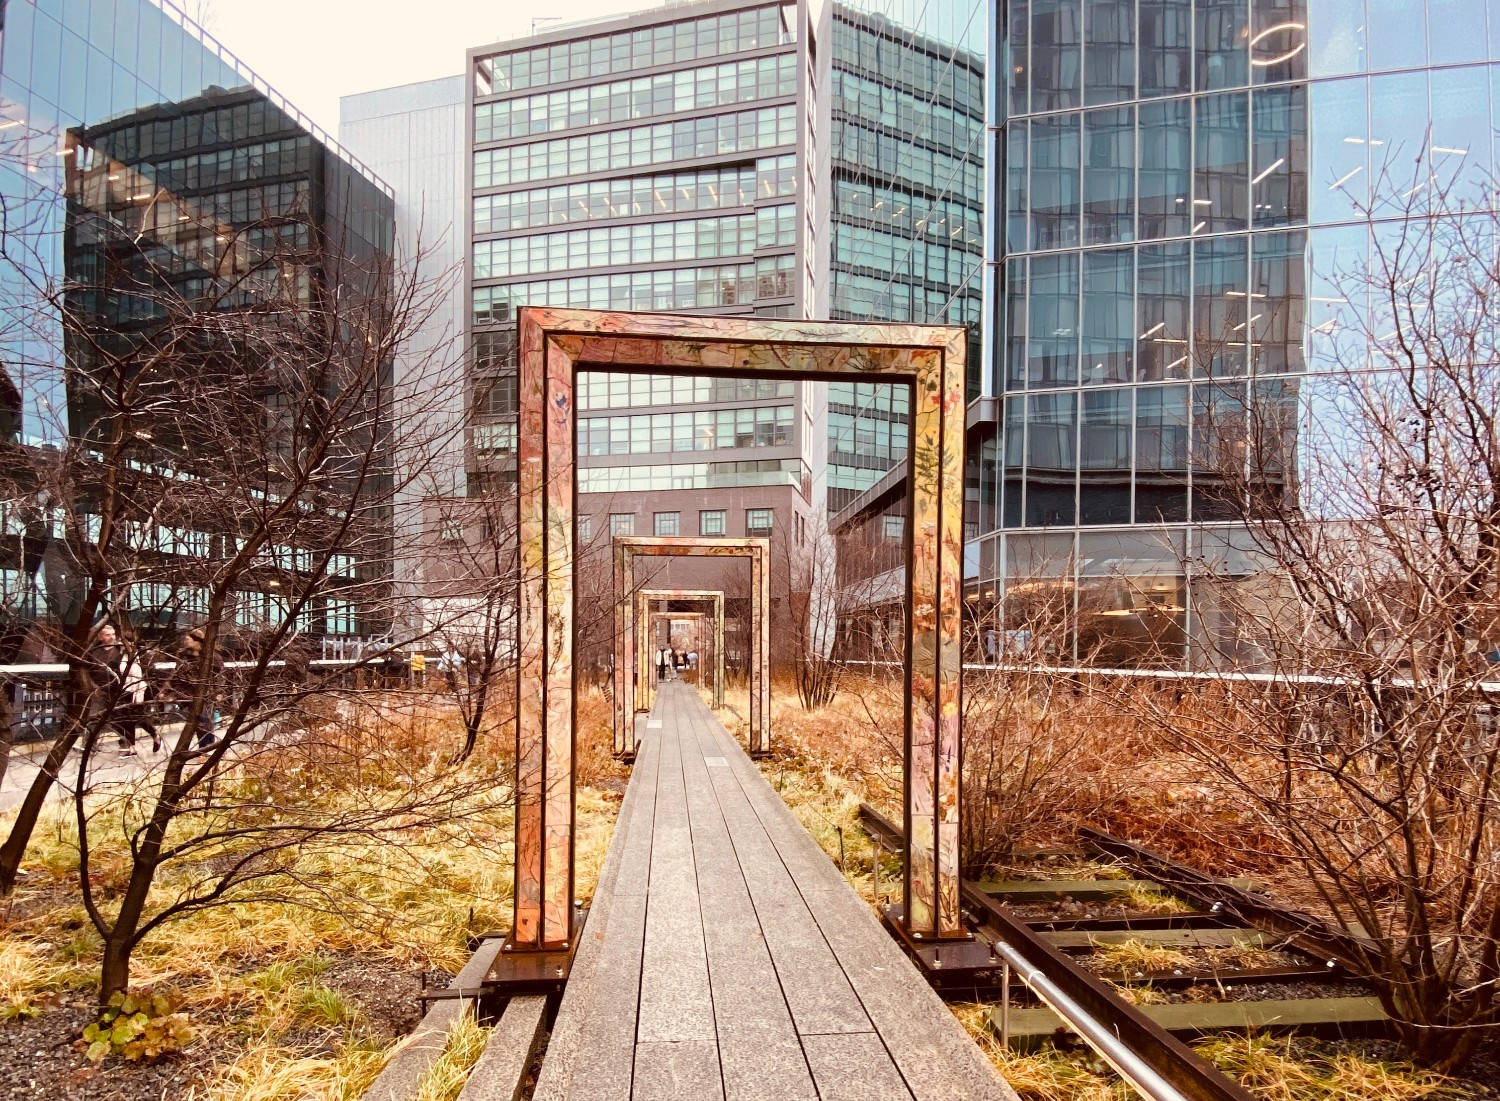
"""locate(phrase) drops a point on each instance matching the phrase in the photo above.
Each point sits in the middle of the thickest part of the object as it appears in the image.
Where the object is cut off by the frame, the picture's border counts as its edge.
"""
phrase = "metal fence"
(36, 695)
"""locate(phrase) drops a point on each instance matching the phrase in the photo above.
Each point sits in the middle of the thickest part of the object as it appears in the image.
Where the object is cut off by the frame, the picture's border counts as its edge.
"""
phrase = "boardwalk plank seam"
(710, 795)
(815, 963)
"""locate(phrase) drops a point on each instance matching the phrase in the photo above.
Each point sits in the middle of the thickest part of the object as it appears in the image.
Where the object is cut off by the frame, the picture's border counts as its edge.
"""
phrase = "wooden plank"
(816, 989)
(937, 1058)
(1351, 1017)
(764, 1064)
(1073, 940)
(675, 1003)
(676, 1071)
(759, 1053)
(854, 1067)
(403, 1074)
(591, 1052)
(500, 1073)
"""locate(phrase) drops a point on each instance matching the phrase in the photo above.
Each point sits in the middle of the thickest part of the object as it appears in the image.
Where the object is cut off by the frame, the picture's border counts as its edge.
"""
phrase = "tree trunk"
(114, 971)
(31, 809)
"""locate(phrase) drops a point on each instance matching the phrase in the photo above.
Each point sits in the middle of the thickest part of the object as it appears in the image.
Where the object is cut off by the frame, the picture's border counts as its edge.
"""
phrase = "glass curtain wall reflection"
(1184, 184)
(144, 170)
(906, 149)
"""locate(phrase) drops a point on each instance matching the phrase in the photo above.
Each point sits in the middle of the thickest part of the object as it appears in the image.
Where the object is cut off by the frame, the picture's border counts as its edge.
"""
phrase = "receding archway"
(714, 599)
(627, 548)
(556, 344)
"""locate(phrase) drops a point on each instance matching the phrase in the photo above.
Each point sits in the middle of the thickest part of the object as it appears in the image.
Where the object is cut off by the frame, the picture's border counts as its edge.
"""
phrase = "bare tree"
(1361, 583)
(229, 465)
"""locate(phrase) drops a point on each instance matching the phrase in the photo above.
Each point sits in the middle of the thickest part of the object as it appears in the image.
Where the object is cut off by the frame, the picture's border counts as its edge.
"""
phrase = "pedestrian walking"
(133, 711)
(450, 662)
(101, 663)
(661, 663)
(186, 684)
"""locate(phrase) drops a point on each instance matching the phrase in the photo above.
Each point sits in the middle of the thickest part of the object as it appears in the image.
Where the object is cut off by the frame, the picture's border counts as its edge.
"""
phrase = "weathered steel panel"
(929, 358)
(532, 718)
(620, 706)
(561, 448)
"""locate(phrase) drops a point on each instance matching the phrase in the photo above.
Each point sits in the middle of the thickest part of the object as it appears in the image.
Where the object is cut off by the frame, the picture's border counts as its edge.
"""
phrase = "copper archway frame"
(555, 345)
(643, 601)
(627, 548)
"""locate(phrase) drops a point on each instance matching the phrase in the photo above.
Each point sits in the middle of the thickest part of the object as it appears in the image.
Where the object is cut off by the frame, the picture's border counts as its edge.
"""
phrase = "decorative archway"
(627, 549)
(644, 598)
(695, 620)
(556, 344)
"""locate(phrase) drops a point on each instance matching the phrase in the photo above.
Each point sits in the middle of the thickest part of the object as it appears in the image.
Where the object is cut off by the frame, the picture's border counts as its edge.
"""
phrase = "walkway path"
(726, 956)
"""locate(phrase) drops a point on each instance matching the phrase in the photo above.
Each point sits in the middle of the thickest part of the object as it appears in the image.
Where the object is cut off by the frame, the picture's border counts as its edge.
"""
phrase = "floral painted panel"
(554, 345)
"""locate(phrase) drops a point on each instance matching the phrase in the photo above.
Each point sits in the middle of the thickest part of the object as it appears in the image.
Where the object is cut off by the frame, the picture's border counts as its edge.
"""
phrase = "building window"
(621, 523)
(342, 618)
(585, 528)
(712, 522)
(893, 527)
(666, 523)
(452, 528)
(758, 521)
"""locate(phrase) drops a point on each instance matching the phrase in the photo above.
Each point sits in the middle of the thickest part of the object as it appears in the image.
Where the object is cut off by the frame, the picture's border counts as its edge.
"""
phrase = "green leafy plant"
(137, 1027)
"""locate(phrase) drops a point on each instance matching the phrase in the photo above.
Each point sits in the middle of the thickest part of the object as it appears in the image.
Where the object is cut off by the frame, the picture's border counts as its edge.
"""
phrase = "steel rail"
(1303, 931)
(1156, 1063)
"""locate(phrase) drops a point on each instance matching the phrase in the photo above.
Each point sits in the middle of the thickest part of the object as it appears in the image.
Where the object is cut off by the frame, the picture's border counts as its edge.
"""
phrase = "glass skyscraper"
(1183, 184)
(133, 150)
(905, 126)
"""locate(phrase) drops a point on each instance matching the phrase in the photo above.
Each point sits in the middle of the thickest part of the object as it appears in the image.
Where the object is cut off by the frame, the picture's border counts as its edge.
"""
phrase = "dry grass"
(1271, 1068)
(1131, 957)
(253, 974)
(1047, 1074)
(267, 1070)
(1150, 900)
(446, 1077)
(1285, 1069)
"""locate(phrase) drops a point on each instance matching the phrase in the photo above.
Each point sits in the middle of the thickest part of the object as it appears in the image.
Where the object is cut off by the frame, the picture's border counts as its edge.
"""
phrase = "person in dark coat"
(134, 711)
(184, 684)
(101, 661)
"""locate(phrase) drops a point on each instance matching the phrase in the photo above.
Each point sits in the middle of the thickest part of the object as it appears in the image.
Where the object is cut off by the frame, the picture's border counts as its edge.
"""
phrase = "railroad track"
(1136, 966)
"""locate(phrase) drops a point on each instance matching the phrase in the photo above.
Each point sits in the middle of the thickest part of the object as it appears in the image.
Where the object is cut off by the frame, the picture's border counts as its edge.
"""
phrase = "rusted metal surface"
(711, 597)
(1303, 931)
(758, 550)
(554, 345)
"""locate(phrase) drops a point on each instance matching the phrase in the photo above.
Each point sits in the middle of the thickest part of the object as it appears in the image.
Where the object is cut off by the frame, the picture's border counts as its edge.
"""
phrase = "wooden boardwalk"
(725, 955)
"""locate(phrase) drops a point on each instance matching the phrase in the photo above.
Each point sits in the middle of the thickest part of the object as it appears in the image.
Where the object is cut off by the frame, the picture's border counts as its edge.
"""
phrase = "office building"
(1184, 184)
(903, 117)
(147, 171)
(730, 164)
(650, 162)
(413, 136)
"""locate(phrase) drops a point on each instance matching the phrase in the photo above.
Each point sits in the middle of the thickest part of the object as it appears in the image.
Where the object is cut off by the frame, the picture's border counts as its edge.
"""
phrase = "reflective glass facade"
(1183, 183)
(905, 142)
(133, 150)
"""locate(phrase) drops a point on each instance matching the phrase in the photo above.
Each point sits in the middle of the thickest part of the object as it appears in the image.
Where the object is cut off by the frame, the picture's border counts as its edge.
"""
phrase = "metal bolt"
(559, 972)
(565, 944)
(505, 948)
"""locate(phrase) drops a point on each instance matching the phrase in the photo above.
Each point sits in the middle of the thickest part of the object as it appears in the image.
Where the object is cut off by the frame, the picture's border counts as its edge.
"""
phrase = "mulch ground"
(38, 1058)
